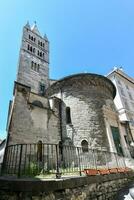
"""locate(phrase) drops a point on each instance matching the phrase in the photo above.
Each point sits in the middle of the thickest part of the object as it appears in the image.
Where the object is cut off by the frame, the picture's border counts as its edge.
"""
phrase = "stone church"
(75, 110)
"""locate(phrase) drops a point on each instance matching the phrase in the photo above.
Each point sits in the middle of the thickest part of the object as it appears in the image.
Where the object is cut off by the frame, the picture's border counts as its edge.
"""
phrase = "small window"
(40, 54)
(28, 47)
(84, 145)
(39, 150)
(42, 88)
(29, 37)
(34, 39)
(43, 44)
(43, 55)
(38, 42)
(68, 115)
(33, 50)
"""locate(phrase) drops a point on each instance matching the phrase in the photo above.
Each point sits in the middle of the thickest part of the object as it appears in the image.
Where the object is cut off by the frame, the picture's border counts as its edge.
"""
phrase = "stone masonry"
(85, 95)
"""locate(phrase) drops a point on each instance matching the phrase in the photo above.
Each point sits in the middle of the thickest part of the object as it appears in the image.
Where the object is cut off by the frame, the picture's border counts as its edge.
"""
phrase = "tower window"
(40, 54)
(33, 50)
(34, 39)
(38, 42)
(84, 145)
(42, 88)
(68, 115)
(35, 66)
(43, 44)
(29, 37)
(28, 47)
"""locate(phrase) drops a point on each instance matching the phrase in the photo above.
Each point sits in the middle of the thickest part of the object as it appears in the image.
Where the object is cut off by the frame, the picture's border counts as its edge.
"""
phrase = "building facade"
(124, 102)
(76, 110)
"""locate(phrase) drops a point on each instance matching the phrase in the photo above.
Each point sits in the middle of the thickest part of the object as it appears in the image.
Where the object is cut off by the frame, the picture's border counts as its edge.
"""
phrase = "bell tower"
(33, 69)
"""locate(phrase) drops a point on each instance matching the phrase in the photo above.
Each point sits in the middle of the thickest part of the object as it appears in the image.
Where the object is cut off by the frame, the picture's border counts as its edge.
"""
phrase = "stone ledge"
(40, 185)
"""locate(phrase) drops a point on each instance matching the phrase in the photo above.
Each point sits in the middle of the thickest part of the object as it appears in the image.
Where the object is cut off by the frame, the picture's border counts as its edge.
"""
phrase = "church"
(75, 110)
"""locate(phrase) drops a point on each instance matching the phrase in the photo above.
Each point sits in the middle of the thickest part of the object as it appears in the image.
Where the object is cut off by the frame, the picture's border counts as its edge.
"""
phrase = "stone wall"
(101, 187)
(86, 95)
(32, 119)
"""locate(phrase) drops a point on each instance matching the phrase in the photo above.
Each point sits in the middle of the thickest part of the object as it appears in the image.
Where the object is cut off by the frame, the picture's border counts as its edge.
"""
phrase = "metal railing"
(48, 159)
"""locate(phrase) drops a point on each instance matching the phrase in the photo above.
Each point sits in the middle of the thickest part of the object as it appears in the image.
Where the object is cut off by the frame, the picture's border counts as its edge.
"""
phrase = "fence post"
(20, 158)
(79, 163)
(58, 174)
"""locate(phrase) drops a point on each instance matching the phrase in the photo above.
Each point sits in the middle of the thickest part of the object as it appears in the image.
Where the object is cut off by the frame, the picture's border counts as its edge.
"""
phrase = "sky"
(85, 36)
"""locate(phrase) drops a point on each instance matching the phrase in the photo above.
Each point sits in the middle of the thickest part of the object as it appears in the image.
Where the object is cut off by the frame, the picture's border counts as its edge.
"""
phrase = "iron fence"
(48, 159)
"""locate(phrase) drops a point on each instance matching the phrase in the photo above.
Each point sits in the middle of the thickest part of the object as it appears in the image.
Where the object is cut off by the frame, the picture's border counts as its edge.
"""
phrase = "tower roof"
(34, 28)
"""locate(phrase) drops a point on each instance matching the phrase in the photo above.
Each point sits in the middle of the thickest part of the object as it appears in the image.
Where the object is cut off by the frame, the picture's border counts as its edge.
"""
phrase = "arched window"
(28, 47)
(39, 150)
(84, 145)
(68, 115)
(31, 49)
(38, 53)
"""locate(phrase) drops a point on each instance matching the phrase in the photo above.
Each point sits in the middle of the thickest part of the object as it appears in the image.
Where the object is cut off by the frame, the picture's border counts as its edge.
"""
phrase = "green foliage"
(32, 169)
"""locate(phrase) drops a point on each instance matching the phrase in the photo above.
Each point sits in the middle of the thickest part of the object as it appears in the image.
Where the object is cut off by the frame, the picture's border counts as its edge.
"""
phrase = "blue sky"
(85, 36)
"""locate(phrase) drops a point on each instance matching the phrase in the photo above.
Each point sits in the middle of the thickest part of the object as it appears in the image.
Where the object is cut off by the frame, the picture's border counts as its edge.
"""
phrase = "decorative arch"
(37, 103)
